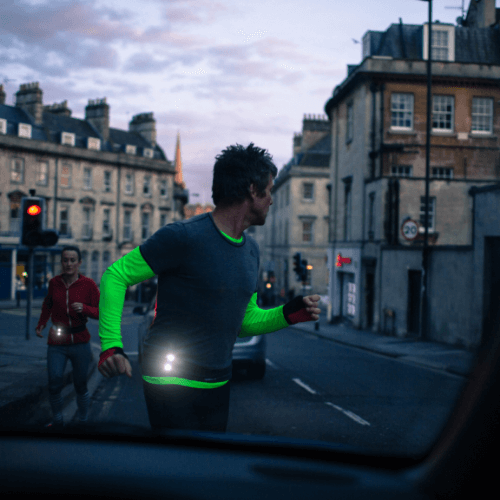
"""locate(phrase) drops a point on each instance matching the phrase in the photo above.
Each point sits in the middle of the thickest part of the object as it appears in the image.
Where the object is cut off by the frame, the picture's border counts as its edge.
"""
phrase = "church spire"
(178, 163)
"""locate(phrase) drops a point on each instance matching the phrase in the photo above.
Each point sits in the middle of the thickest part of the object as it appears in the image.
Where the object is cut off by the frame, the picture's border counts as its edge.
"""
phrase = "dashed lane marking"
(271, 364)
(350, 414)
(304, 386)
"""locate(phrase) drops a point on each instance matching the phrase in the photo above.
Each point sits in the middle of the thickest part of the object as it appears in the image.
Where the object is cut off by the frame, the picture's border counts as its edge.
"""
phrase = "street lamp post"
(424, 326)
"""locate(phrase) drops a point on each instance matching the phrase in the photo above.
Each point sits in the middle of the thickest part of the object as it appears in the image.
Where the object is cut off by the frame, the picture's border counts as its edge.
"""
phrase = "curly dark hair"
(236, 168)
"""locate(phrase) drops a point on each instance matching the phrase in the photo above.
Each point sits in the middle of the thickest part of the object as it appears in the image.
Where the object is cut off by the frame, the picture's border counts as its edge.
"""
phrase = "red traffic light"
(33, 210)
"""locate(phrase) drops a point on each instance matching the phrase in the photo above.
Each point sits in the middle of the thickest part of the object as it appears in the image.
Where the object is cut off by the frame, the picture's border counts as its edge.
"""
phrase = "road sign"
(409, 229)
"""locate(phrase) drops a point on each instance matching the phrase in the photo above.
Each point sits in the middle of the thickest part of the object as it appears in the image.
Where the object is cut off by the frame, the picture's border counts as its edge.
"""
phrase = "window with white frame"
(67, 139)
(106, 222)
(402, 111)
(65, 175)
(93, 143)
(42, 173)
(442, 42)
(482, 115)
(87, 223)
(148, 152)
(307, 231)
(129, 183)
(17, 170)
(401, 171)
(145, 225)
(442, 173)
(107, 181)
(130, 149)
(163, 188)
(440, 45)
(127, 225)
(349, 123)
(442, 113)
(432, 213)
(87, 178)
(15, 214)
(308, 191)
(146, 187)
(24, 130)
(64, 221)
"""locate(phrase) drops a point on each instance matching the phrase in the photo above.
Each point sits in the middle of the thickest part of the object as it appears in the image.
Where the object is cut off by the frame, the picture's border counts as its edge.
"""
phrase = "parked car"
(249, 353)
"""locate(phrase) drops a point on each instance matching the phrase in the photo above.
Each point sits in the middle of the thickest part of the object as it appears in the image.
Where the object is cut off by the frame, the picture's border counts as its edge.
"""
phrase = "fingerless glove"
(110, 352)
(295, 311)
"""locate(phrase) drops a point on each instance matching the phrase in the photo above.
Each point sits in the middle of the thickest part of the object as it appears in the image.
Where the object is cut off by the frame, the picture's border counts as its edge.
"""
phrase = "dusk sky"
(220, 72)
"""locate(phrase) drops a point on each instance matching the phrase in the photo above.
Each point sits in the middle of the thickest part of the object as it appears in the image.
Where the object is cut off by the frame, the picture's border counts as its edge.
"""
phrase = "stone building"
(298, 219)
(106, 189)
(378, 165)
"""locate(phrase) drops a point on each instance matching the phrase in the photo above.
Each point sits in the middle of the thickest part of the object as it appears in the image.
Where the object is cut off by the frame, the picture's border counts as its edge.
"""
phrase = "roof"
(53, 124)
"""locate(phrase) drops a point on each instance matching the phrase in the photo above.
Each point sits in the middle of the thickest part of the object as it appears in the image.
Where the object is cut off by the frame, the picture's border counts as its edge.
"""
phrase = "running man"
(207, 270)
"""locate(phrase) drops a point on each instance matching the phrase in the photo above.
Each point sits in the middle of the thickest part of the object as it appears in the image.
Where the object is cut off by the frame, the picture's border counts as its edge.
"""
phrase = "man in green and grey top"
(207, 270)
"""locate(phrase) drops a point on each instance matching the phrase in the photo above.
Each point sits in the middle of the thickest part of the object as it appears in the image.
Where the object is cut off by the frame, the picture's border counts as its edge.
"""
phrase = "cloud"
(145, 63)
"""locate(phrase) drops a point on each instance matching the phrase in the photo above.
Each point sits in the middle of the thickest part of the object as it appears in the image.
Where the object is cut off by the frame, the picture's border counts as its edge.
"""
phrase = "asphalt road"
(314, 389)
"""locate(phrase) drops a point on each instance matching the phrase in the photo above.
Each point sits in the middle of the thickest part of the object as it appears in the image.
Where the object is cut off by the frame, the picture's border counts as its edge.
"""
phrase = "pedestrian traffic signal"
(33, 231)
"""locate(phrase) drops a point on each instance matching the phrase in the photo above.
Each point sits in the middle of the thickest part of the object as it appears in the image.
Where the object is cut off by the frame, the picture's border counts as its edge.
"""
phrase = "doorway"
(369, 298)
(413, 309)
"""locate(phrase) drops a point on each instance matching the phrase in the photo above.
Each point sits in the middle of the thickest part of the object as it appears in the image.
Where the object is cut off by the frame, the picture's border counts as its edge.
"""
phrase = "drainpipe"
(118, 206)
(333, 281)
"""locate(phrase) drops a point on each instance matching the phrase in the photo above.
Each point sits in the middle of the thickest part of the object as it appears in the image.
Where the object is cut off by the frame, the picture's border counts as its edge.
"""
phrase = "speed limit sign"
(409, 229)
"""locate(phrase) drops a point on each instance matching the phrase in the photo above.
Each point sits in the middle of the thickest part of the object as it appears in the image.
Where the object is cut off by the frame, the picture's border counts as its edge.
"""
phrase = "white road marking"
(304, 386)
(270, 363)
(350, 414)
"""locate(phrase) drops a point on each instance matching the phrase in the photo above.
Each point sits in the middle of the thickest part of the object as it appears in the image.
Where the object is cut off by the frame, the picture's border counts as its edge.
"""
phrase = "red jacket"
(57, 304)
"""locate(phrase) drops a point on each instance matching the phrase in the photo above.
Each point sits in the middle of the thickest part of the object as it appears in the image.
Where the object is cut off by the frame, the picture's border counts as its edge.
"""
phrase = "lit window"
(482, 115)
(402, 111)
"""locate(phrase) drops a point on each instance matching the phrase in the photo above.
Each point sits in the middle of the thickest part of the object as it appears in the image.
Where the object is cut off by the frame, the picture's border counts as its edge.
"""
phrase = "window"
(15, 214)
(87, 178)
(65, 175)
(371, 217)
(163, 219)
(93, 143)
(163, 189)
(347, 213)
(402, 171)
(67, 139)
(349, 124)
(148, 152)
(432, 213)
(442, 113)
(482, 115)
(94, 270)
(130, 149)
(129, 184)
(146, 188)
(107, 181)
(145, 225)
(307, 228)
(42, 173)
(127, 225)
(442, 173)
(64, 221)
(87, 223)
(308, 191)
(402, 111)
(106, 226)
(442, 42)
(439, 45)
(24, 130)
(85, 258)
(106, 261)
(17, 170)
(3, 126)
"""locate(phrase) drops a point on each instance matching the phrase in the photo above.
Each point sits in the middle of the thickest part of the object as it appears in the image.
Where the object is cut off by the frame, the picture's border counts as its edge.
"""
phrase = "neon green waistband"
(183, 381)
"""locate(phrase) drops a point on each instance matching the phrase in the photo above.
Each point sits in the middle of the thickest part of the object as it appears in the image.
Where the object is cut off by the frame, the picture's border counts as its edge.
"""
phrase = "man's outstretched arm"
(258, 321)
(127, 271)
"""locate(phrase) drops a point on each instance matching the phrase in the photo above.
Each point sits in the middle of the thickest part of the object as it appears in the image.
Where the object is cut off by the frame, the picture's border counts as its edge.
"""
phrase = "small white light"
(170, 357)
(168, 367)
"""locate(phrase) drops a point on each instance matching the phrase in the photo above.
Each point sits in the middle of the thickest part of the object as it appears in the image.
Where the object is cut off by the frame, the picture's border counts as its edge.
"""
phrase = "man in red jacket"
(71, 298)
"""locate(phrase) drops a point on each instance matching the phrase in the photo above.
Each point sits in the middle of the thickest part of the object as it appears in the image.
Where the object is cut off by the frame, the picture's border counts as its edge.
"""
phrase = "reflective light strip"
(183, 381)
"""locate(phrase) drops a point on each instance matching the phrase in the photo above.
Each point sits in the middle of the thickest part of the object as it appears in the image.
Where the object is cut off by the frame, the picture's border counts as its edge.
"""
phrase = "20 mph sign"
(409, 229)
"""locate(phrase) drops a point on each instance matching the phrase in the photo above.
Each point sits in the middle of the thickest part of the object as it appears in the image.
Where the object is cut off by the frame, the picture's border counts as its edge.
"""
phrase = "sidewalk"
(23, 363)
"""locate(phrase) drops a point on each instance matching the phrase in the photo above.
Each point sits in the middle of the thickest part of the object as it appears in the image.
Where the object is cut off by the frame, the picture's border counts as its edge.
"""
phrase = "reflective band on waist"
(183, 381)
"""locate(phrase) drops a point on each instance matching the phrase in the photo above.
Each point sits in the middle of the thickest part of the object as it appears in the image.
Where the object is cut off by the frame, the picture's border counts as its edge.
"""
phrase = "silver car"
(249, 353)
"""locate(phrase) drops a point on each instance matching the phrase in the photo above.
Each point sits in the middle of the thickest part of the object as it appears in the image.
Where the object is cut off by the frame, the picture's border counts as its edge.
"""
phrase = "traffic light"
(33, 231)
(297, 263)
(303, 273)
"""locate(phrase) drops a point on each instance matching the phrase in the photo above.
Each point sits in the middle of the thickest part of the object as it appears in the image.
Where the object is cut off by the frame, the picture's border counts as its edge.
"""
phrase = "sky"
(219, 72)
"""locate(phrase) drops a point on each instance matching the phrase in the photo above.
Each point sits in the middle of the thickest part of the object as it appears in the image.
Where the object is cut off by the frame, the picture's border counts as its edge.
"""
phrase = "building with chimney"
(298, 218)
(378, 174)
(106, 189)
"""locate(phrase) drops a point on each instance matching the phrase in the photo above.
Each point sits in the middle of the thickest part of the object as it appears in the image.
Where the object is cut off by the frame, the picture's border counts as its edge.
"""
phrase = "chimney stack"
(481, 14)
(145, 125)
(314, 128)
(2, 94)
(97, 113)
(29, 98)
(297, 142)
(58, 109)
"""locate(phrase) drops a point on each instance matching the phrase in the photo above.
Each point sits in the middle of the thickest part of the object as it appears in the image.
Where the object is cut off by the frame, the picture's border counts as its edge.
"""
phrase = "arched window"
(95, 266)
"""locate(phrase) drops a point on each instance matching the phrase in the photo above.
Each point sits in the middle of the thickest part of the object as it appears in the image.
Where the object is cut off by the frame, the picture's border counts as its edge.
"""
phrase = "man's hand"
(112, 363)
(301, 309)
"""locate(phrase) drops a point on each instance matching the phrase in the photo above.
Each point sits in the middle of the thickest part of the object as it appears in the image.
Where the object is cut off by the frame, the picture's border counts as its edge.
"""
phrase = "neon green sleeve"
(129, 270)
(258, 321)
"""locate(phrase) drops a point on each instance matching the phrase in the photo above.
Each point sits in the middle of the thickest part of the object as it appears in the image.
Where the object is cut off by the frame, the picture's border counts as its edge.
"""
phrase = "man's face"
(260, 206)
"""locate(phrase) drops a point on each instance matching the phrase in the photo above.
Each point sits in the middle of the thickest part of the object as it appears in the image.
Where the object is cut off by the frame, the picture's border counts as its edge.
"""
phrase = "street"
(314, 389)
